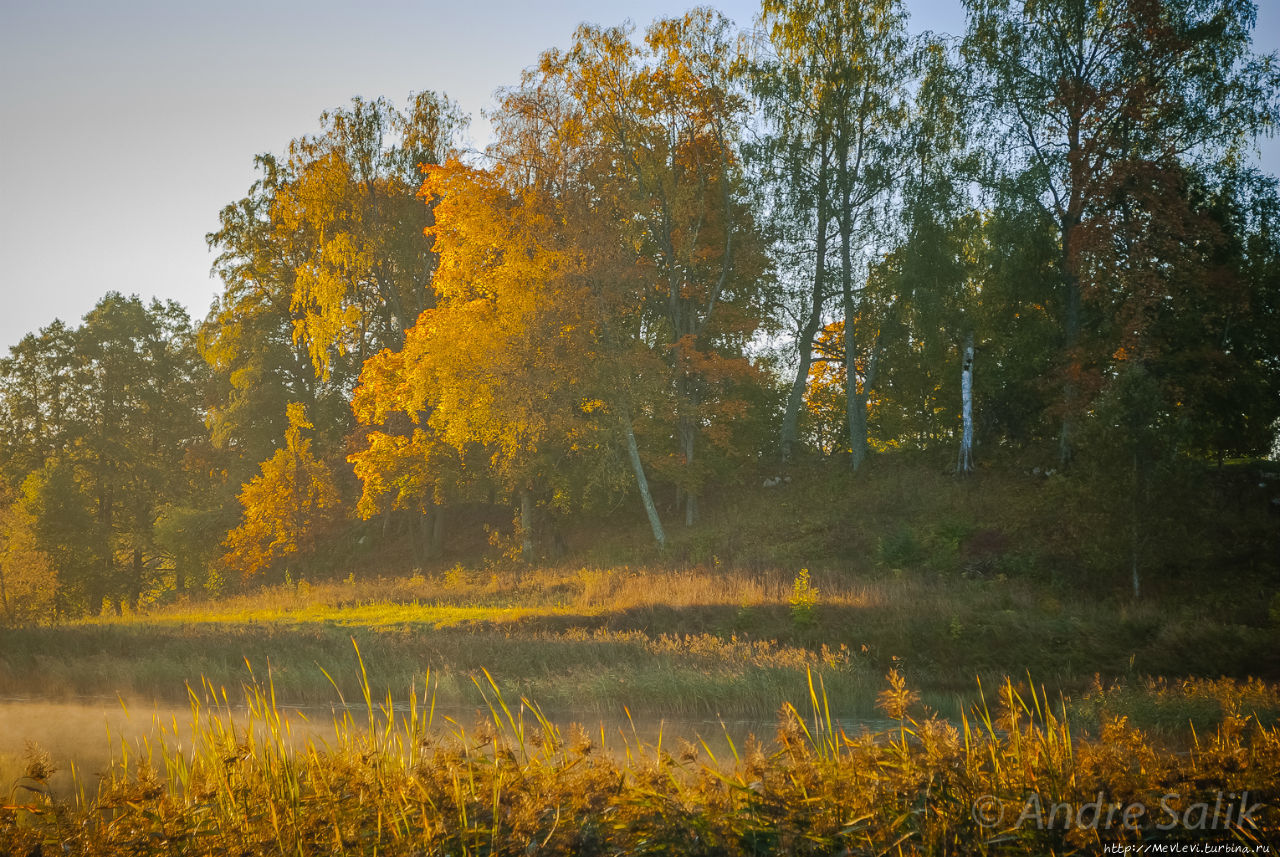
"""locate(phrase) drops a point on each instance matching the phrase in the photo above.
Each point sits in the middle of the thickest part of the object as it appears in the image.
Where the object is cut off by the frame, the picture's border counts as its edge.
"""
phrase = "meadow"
(957, 653)
(590, 641)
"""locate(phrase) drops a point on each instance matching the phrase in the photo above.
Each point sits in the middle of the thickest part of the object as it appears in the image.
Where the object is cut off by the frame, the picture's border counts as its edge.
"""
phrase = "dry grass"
(689, 642)
(404, 781)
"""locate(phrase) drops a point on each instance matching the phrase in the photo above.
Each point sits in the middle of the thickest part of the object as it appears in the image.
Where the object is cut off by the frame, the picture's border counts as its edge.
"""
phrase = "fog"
(84, 737)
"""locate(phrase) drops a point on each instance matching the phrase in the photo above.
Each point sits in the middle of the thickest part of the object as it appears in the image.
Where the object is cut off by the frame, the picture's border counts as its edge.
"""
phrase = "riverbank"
(691, 643)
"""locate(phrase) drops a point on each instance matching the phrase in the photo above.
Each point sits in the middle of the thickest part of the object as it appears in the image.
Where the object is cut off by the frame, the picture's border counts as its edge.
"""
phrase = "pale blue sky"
(126, 126)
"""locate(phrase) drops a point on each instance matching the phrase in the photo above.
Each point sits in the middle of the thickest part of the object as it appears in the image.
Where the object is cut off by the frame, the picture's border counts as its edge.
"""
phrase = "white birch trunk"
(637, 467)
(965, 462)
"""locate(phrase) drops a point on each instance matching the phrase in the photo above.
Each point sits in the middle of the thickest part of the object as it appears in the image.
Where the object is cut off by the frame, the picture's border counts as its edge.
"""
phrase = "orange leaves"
(286, 506)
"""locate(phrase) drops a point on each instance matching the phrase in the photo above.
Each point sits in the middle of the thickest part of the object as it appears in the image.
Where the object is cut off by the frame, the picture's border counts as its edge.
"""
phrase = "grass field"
(696, 642)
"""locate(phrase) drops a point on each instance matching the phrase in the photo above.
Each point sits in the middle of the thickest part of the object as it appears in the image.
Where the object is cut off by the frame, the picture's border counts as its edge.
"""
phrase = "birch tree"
(664, 121)
(839, 97)
(512, 362)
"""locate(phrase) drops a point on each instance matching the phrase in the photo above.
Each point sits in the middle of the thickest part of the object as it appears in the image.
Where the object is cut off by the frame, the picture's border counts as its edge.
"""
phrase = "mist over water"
(82, 734)
(84, 737)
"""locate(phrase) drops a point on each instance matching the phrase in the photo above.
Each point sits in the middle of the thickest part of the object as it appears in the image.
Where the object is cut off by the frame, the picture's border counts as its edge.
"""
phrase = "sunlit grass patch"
(371, 615)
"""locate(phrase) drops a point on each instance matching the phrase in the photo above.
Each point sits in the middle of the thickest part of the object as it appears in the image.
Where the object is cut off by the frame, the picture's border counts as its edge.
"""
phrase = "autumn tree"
(324, 263)
(366, 272)
(508, 365)
(28, 578)
(248, 338)
(286, 507)
(662, 122)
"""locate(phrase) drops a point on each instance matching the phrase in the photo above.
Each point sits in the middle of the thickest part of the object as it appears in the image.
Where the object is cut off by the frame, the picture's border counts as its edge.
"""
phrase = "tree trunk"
(415, 540)
(804, 345)
(965, 462)
(688, 433)
(4, 602)
(526, 525)
(435, 547)
(1134, 525)
(1071, 336)
(100, 589)
(135, 584)
(855, 401)
(637, 467)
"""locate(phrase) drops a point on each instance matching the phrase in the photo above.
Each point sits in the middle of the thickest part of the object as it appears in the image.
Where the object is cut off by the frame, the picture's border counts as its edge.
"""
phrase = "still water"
(84, 737)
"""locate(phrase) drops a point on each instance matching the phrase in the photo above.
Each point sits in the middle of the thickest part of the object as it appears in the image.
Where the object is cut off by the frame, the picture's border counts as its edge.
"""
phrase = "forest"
(693, 260)
(925, 385)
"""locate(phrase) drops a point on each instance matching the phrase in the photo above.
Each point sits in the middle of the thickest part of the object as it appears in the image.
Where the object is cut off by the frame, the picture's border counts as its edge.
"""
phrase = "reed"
(401, 779)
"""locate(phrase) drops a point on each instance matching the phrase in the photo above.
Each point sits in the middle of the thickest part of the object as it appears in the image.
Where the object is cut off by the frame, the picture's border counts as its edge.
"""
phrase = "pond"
(83, 737)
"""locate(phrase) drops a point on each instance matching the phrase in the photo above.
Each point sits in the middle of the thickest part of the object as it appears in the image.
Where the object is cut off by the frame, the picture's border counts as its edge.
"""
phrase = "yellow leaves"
(28, 579)
(397, 472)
(501, 361)
(297, 415)
(285, 507)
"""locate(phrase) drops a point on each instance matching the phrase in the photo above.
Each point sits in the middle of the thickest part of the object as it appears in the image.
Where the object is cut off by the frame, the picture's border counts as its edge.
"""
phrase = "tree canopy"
(690, 256)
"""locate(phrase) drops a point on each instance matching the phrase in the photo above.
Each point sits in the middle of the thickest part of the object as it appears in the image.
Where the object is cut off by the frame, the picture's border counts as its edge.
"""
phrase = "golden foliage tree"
(650, 133)
(286, 507)
(509, 361)
(28, 579)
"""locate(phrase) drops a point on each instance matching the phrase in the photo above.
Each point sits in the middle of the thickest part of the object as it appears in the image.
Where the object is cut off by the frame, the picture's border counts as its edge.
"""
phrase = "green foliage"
(65, 531)
(97, 421)
(901, 549)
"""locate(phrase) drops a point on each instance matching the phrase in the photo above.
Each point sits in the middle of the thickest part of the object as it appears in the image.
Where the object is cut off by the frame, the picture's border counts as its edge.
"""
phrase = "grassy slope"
(941, 578)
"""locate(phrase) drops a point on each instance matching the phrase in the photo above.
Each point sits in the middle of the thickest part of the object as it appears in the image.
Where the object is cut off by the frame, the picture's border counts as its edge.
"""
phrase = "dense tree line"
(687, 253)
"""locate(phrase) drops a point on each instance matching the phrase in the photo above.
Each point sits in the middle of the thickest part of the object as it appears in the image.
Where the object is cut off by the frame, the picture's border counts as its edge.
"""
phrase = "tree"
(510, 361)
(324, 264)
(366, 272)
(1084, 95)
(248, 338)
(286, 507)
(99, 417)
(28, 579)
(661, 124)
(39, 404)
(62, 520)
(141, 409)
(838, 95)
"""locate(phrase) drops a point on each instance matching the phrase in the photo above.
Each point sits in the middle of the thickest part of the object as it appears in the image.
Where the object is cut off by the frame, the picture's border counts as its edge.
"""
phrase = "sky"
(126, 126)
